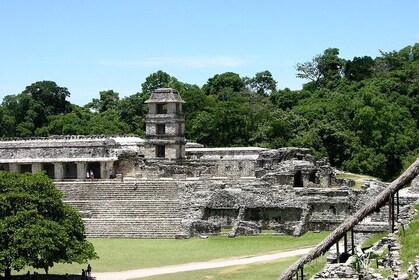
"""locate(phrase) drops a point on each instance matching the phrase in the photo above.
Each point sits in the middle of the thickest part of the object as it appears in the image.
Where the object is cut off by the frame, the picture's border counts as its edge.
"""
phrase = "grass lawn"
(124, 254)
(376, 237)
(358, 178)
(270, 270)
(409, 240)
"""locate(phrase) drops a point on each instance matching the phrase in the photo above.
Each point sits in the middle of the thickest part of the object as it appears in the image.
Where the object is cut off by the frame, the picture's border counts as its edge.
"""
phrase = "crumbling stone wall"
(226, 203)
(243, 189)
(127, 163)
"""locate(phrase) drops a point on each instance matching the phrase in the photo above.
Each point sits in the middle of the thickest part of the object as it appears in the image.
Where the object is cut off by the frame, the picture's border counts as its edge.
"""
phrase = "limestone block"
(36, 167)
(59, 170)
(13, 167)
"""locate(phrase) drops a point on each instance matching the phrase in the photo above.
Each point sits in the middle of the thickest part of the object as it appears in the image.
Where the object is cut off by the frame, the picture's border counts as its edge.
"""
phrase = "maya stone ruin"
(163, 186)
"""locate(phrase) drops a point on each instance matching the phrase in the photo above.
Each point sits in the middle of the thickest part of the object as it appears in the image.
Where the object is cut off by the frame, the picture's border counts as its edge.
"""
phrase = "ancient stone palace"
(163, 186)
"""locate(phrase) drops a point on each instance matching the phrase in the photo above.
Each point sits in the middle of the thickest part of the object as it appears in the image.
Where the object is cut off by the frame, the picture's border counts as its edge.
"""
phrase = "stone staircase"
(135, 209)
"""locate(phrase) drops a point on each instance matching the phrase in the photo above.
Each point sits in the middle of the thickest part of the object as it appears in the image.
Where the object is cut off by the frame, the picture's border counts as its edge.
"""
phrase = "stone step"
(121, 192)
(116, 204)
(128, 209)
(146, 228)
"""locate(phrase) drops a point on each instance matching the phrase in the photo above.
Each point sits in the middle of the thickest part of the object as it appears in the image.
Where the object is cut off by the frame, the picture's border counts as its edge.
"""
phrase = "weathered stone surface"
(245, 228)
(204, 227)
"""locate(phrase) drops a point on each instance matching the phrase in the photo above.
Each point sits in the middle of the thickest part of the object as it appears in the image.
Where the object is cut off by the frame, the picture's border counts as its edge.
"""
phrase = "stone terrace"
(140, 209)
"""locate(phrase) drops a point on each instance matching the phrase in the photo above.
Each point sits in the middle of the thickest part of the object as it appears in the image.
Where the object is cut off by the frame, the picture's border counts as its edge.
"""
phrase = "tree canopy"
(362, 114)
(36, 228)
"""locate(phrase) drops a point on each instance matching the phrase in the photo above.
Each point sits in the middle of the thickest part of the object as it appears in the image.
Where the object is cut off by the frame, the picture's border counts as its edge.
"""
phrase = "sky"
(89, 46)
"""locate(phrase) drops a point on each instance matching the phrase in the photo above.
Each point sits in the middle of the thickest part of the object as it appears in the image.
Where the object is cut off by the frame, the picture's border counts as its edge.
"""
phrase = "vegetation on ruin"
(123, 254)
(362, 114)
(374, 238)
(359, 179)
(37, 229)
(409, 240)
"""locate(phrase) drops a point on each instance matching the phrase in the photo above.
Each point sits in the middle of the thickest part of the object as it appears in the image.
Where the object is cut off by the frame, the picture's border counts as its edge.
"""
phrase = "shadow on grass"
(46, 277)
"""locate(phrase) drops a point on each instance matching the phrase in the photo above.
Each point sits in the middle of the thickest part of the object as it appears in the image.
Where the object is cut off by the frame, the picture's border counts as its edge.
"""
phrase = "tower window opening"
(161, 128)
(160, 151)
(161, 108)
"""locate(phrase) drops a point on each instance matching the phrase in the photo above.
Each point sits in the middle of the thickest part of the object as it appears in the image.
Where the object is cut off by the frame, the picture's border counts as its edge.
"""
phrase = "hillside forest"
(362, 114)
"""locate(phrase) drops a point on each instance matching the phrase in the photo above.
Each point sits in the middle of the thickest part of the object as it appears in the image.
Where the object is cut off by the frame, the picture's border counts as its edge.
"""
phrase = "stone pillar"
(36, 167)
(59, 170)
(105, 168)
(81, 170)
(306, 179)
(14, 167)
(110, 169)
(327, 181)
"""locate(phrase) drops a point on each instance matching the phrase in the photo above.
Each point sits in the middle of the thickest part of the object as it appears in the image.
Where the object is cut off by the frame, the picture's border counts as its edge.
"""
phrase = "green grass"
(268, 231)
(376, 237)
(409, 240)
(258, 271)
(269, 270)
(125, 254)
(358, 178)
(225, 230)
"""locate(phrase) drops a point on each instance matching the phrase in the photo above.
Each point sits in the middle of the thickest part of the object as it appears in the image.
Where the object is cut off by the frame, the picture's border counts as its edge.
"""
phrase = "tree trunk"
(8, 274)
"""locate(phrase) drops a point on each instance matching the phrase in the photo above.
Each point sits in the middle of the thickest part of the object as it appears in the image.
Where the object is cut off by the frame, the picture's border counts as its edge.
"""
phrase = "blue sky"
(91, 45)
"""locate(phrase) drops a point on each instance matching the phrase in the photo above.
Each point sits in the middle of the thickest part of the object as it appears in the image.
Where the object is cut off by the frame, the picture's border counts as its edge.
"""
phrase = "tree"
(109, 100)
(132, 110)
(222, 124)
(47, 98)
(224, 85)
(36, 228)
(30, 109)
(157, 80)
(287, 99)
(7, 127)
(77, 122)
(263, 83)
(324, 70)
(359, 68)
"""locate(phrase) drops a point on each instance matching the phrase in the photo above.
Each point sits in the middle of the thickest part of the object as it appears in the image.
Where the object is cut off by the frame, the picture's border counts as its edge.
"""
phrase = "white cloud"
(417, 36)
(190, 62)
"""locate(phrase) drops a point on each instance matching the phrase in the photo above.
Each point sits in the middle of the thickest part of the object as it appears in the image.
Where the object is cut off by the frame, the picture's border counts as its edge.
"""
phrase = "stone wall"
(67, 148)
(281, 208)
(244, 189)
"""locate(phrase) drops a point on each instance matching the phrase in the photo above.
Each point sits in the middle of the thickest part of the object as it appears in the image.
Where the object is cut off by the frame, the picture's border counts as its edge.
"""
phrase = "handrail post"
(390, 213)
(345, 243)
(337, 252)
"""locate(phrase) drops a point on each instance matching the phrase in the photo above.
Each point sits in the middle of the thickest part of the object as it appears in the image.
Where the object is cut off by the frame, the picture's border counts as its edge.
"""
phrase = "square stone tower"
(165, 126)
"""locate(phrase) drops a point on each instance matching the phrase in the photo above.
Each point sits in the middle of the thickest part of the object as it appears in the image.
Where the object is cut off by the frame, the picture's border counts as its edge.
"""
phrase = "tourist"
(87, 174)
(89, 271)
(83, 274)
(92, 175)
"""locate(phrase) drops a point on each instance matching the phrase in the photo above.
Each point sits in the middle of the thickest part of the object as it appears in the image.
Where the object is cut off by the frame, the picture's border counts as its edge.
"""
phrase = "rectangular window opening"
(160, 151)
(161, 108)
(161, 128)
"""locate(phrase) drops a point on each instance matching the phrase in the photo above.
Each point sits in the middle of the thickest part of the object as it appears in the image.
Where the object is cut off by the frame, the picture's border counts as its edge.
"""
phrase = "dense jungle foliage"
(362, 113)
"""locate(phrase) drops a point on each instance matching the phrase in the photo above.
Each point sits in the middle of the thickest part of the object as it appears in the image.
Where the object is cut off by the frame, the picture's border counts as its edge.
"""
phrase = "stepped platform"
(133, 209)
